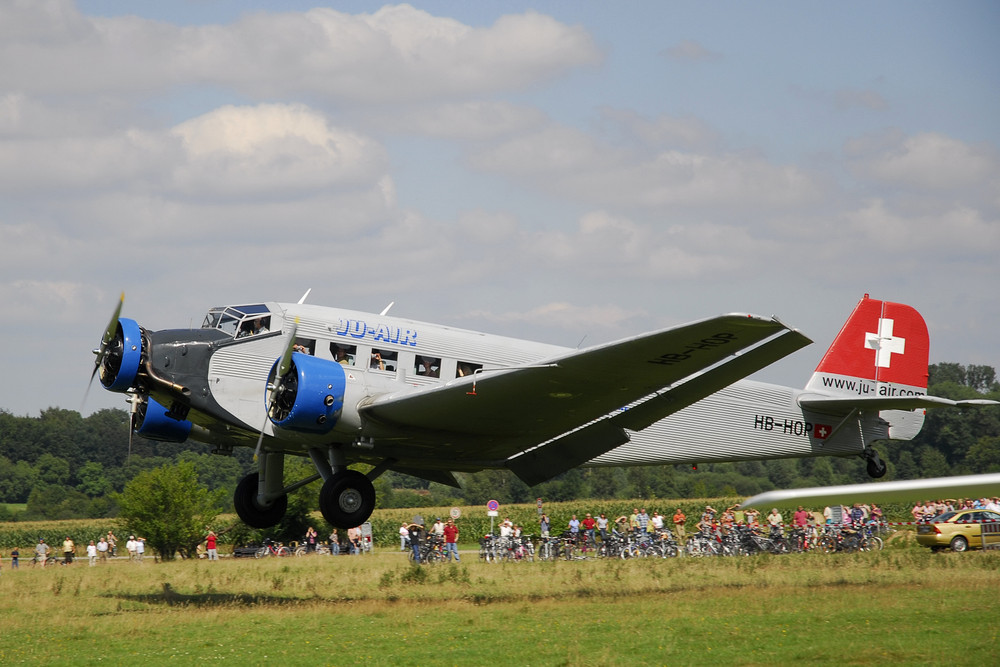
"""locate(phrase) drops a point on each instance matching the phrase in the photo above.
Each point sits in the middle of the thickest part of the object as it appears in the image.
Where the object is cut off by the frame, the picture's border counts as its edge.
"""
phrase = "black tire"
(347, 499)
(245, 501)
(959, 544)
(876, 467)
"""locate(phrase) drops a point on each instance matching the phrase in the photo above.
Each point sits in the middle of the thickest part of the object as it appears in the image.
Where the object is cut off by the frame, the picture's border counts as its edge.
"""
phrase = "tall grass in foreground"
(903, 605)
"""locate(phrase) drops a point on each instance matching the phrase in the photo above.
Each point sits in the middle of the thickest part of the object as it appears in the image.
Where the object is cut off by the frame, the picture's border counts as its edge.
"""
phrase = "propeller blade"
(283, 367)
(286, 357)
(109, 335)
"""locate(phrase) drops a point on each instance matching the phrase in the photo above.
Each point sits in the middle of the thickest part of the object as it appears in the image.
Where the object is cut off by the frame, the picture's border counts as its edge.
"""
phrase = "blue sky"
(549, 170)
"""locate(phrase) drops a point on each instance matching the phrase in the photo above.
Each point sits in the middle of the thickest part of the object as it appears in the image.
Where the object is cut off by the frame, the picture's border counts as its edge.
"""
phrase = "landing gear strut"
(876, 466)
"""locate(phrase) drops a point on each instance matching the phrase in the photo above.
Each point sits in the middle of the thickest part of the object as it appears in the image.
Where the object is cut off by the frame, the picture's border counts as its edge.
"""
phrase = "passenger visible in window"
(466, 369)
(377, 363)
(428, 366)
(261, 325)
(340, 356)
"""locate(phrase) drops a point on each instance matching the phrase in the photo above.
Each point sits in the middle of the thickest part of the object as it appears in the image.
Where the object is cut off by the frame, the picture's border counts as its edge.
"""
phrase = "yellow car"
(959, 530)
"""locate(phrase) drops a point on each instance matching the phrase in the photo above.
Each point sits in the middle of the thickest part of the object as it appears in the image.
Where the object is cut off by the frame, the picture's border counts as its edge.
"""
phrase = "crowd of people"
(929, 509)
(97, 551)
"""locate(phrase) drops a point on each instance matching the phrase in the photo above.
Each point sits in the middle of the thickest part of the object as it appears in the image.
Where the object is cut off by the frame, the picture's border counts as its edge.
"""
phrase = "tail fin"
(878, 361)
(882, 351)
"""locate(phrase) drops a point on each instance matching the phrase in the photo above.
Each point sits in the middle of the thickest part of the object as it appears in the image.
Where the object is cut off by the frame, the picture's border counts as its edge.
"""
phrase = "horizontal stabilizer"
(566, 452)
(845, 404)
(965, 486)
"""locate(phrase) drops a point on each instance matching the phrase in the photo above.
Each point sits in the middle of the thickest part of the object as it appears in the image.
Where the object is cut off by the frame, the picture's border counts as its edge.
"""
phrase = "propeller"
(284, 365)
(102, 351)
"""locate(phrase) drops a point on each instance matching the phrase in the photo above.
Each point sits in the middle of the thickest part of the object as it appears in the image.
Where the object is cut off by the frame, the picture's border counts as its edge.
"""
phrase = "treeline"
(62, 465)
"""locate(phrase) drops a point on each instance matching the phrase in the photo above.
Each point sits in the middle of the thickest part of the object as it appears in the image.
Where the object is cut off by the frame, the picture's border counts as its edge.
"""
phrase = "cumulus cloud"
(272, 150)
(571, 163)
(927, 160)
(396, 53)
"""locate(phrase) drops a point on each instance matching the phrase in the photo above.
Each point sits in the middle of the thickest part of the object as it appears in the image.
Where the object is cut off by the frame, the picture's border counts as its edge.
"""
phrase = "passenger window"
(427, 366)
(343, 354)
(466, 368)
(383, 360)
(305, 346)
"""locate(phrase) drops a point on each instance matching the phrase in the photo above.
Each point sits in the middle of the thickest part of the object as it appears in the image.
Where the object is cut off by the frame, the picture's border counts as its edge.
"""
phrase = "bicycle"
(269, 549)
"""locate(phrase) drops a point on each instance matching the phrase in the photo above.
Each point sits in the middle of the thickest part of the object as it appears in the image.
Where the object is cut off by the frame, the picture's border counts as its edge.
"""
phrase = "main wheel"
(347, 499)
(245, 501)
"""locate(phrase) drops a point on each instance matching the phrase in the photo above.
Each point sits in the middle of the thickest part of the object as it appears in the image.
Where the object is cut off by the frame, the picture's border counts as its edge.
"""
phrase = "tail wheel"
(347, 499)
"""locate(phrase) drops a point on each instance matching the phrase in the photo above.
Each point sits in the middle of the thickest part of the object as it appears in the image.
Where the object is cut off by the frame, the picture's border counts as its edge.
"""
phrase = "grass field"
(902, 605)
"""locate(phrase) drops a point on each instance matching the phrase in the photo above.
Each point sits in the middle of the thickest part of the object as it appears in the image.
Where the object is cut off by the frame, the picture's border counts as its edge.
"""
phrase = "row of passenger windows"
(389, 360)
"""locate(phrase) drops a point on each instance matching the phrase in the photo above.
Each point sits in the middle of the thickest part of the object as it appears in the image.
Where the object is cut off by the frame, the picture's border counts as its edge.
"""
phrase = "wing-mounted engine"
(153, 422)
(121, 361)
(309, 398)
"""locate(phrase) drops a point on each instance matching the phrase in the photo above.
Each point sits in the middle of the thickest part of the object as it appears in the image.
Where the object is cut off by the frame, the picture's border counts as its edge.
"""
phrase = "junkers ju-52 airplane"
(345, 387)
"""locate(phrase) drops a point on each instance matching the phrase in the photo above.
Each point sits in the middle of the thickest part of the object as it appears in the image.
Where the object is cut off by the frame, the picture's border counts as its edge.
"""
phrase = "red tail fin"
(882, 350)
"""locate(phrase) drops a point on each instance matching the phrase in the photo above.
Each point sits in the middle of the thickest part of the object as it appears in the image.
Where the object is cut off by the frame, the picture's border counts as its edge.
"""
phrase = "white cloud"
(572, 164)
(397, 53)
(928, 160)
(272, 150)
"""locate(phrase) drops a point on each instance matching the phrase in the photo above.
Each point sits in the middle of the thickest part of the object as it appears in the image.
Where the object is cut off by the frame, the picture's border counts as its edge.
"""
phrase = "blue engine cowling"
(311, 396)
(154, 424)
(123, 357)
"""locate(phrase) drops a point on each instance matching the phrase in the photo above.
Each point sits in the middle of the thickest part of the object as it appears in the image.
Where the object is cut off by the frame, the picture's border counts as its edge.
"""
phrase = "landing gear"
(347, 499)
(876, 466)
(252, 514)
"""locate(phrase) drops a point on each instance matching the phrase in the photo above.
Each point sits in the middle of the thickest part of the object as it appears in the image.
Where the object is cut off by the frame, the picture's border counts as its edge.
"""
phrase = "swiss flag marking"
(884, 343)
(821, 431)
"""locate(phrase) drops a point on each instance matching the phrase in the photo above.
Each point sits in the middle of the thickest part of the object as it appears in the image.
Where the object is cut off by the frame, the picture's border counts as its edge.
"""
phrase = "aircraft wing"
(965, 486)
(500, 413)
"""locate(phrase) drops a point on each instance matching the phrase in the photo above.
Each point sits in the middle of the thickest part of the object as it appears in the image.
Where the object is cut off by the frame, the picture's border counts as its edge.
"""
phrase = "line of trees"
(61, 465)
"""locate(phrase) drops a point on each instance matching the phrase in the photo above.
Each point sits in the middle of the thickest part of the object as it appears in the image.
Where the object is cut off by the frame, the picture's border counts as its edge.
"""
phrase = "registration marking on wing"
(707, 343)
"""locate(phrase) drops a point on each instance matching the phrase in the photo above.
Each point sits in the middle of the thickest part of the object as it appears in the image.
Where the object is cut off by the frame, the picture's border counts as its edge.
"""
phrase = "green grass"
(902, 605)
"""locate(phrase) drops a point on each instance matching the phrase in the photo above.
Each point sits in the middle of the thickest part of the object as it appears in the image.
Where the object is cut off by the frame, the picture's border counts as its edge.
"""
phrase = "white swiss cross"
(884, 343)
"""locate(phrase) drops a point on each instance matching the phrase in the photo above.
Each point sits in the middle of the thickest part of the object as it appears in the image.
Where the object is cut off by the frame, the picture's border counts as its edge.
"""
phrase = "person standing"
(679, 520)
(543, 524)
(68, 549)
(140, 548)
(415, 529)
(14, 556)
(41, 551)
(404, 536)
(602, 527)
(451, 540)
(102, 550)
(92, 553)
(211, 544)
(311, 537)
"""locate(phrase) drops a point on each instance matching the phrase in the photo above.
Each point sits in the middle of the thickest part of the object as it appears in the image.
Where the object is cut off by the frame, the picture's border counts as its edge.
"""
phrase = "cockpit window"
(239, 321)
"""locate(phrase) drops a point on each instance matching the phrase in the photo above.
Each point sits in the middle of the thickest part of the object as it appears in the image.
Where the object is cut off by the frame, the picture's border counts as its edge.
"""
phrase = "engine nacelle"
(154, 424)
(123, 357)
(311, 396)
